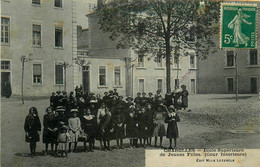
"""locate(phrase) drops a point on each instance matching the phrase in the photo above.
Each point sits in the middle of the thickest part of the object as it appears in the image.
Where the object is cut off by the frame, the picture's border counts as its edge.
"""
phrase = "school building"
(217, 74)
(44, 34)
(103, 67)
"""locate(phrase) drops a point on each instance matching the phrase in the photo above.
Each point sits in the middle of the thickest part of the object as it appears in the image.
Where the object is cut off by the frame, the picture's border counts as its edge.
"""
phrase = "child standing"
(172, 130)
(63, 139)
(74, 129)
(131, 126)
(119, 128)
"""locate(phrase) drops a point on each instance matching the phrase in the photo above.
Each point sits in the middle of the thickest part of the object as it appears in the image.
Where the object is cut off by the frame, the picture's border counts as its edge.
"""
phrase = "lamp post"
(23, 60)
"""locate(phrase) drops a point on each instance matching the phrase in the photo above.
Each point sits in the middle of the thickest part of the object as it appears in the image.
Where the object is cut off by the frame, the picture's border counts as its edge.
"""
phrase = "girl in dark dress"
(142, 118)
(119, 128)
(131, 126)
(106, 129)
(32, 127)
(50, 130)
(150, 112)
(177, 99)
(184, 96)
(89, 125)
(172, 130)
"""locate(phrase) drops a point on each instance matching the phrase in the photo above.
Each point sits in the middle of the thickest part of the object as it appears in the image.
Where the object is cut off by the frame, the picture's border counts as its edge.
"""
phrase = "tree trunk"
(168, 65)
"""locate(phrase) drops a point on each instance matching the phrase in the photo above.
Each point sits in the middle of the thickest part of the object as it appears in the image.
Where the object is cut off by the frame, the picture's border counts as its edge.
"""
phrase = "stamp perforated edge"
(221, 17)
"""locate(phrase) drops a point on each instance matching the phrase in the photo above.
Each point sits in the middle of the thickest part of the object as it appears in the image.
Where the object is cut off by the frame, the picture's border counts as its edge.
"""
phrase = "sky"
(82, 10)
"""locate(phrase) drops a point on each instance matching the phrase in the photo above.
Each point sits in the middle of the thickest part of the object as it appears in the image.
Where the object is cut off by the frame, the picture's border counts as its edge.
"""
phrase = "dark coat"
(53, 102)
(144, 101)
(172, 129)
(32, 125)
(184, 95)
(131, 128)
(138, 100)
(90, 127)
(105, 127)
(143, 123)
(49, 124)
(118, 125)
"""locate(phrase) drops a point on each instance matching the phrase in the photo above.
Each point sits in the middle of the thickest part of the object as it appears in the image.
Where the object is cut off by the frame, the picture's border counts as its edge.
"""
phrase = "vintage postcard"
(130, 83)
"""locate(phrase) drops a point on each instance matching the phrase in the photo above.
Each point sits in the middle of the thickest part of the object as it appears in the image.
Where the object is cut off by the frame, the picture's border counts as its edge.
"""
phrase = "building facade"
(42, 32)
(107, 67)
(217, 74)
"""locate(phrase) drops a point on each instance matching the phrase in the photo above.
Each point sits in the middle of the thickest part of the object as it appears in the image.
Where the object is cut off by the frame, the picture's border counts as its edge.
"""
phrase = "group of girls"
(113, 118)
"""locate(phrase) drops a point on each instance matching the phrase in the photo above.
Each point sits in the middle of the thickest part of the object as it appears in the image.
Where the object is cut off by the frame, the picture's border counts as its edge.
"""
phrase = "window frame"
(227, 83)
(58, 7)
(120, 75)
(62, 40)
(139, 84)
(63, 73)
(41, 63)
(234, 63)
(140, 64)
(34, 4)
(9, 29)
(157, 84)
(37, 24)
(194, 61)
(257, 58)
(106, 84)
(159, 64)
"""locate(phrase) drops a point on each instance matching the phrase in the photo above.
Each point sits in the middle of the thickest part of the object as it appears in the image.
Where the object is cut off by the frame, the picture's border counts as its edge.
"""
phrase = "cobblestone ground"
(215, 121)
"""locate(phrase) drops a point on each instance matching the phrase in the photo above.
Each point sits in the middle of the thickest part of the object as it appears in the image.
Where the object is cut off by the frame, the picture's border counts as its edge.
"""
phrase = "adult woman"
(184, 96)
(49, 130)
(32, 127)
(159, 116)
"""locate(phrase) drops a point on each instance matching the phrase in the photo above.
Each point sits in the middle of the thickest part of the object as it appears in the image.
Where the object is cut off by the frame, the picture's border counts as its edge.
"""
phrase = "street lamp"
(24, 59)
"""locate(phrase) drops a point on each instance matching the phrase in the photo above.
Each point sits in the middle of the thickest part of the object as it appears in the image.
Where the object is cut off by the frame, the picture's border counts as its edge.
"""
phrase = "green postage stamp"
(238, 26)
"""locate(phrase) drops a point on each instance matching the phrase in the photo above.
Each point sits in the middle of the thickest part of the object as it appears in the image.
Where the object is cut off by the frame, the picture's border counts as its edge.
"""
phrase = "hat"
(74, 110)
(183, 86)
(138, 93)
(64, 91)
(129, 97)
(60, 110)
(93, 101)
(58, 91)
(150, 93)
(144, 93)
(171, 107)
(111, 91)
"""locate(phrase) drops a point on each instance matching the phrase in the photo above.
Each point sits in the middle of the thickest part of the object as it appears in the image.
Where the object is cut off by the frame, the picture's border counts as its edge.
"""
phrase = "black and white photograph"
(130, 83)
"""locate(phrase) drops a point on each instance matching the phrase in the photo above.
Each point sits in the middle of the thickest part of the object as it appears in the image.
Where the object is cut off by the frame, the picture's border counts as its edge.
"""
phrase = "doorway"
(193, 86)
(5, 78)
(85, 79)
(253, 85)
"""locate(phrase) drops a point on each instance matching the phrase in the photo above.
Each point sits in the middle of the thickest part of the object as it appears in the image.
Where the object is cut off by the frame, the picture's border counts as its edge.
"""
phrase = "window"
(192, 61)
(140, 61)
(175, 61)
(253, 57)
(159, 84)
(102, 76)
(36, 35)
(141, 85)
(230, 58)
(230, 85)
(5, 30)
(59, 74)
(176, 83)
(58, 3)
(36, 2)
(5, 65)
(159, 61)
(117, 74)
(58, 37)
(37, 73)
